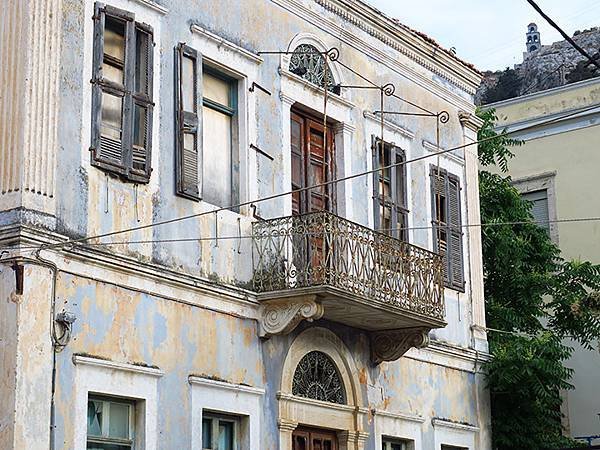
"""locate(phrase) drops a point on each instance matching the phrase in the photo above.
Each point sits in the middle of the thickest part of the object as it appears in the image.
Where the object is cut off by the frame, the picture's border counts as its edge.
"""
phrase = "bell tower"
(534, 41)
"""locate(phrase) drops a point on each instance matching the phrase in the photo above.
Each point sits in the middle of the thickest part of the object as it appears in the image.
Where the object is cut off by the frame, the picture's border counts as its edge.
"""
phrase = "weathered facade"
(554, 169)
(284, 323)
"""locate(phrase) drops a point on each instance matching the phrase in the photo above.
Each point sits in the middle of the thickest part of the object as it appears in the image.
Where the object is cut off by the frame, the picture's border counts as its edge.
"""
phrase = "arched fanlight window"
(317, 377)
(308, 63)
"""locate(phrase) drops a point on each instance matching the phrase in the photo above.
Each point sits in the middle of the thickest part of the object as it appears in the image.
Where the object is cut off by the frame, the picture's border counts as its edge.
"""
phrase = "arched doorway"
(320, 401)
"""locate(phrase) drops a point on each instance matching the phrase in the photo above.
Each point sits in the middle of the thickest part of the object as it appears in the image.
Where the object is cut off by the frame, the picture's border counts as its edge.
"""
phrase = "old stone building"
(160, 288)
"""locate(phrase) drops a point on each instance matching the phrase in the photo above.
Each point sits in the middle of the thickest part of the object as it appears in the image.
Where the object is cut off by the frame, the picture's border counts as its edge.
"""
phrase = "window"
(187, 155)
(539, 207)
(395, 444)
(447, 225)
(389, 190)
(220, 432)
(220, 129)
(451, 447)
(307, 62)
(314, 439)
(317, 377)
(110, 424)
(122, 94)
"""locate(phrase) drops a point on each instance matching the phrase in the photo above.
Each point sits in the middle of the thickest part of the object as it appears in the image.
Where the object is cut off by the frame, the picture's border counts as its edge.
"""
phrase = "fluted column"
(30, 32)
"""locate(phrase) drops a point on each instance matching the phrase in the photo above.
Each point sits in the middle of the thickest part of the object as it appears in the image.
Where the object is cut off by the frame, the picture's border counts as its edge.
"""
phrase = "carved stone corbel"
(281, 316)
(389, 345)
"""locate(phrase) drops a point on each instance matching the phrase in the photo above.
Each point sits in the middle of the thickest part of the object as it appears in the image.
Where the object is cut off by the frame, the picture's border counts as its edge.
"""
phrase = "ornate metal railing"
(322, 249)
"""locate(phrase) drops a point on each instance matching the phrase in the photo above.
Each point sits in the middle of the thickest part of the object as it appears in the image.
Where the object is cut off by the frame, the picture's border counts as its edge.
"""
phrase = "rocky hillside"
(550, 66)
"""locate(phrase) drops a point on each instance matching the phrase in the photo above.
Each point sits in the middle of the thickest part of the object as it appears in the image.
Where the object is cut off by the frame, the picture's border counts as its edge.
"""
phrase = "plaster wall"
(183, 309)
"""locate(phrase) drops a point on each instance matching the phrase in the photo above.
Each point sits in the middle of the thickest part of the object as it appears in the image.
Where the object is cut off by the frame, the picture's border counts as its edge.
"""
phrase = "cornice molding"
(454, 425)
(399, 416)
(399, 39)
(106, 364)
(470, 121)
(220, 41)
(200, 381)
(154, 6)
(389, 125)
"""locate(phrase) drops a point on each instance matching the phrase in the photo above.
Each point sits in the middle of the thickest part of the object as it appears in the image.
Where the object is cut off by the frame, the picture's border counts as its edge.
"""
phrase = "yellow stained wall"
(570, 148)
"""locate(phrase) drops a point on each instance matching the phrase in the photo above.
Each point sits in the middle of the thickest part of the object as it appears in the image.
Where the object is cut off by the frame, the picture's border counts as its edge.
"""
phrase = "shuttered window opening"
(390, 206)
(539, 207)
(187, 122)
(219, 123)
(122, 94)
(447, 225)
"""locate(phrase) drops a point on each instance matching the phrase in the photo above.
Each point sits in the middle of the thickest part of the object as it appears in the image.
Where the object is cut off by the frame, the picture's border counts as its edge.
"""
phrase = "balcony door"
(314, 439)
(312, 163)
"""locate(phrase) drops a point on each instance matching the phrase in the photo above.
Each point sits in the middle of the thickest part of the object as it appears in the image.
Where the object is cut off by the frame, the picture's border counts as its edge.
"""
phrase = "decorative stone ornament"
(390, 345)
(281, 316)
(317, 377)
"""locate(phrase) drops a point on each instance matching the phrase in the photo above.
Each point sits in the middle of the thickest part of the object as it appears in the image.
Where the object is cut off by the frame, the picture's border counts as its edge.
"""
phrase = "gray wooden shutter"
(139, 102)
(187, 123)
(455, 235)
(439, 182)
(376, 204)
(106, 153)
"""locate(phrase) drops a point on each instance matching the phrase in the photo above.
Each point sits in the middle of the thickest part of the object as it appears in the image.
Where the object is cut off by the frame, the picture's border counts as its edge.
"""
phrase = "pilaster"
(471, 125)
(30, 32)
(26, 356)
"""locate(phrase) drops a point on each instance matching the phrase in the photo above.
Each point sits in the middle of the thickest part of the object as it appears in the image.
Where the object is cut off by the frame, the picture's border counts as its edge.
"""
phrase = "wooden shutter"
(447, 225)
(439, 216)
(297, 133)
(108, 152)
(140, 86)
(455, 235)
(187, 122)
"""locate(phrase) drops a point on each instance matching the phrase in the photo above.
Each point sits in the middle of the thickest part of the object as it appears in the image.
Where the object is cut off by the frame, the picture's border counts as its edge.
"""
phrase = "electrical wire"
(568, 38)
(314, 233)
(318, 185)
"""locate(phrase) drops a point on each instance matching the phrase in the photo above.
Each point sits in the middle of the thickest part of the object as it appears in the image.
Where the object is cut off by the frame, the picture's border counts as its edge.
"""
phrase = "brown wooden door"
(312, 164)
(314, 439)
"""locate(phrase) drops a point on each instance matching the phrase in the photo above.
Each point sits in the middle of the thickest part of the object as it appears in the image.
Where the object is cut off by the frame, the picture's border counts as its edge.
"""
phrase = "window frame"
(105, 439)
(386, 443)
(233, 112)
(451, 228)
(216, 418)
(398, 206)
(124, 165)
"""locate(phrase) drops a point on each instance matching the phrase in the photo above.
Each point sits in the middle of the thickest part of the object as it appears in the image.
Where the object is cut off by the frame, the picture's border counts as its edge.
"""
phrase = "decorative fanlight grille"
(308, 63)
(317, 377)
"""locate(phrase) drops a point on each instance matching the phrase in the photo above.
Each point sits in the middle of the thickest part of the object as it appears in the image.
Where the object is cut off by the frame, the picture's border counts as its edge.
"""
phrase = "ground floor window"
(395, 444)
(451, 447)
(110, 424)
(314, 439)
(220, 432)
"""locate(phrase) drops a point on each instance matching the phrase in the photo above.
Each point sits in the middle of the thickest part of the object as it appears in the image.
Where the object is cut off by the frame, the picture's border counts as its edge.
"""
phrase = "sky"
(490, 33)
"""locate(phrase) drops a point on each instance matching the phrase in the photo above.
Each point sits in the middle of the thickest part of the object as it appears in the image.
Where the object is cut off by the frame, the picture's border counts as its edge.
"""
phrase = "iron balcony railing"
(322, 249)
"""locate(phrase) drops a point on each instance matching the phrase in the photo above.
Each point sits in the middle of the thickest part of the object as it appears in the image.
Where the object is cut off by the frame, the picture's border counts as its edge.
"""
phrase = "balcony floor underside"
(358, 311)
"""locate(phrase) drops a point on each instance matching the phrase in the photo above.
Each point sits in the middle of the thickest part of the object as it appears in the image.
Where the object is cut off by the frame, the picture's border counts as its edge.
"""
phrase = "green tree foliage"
(534, 299)
(509, 85)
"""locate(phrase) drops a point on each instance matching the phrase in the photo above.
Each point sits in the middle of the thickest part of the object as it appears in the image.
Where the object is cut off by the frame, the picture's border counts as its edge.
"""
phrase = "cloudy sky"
(490, 33)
